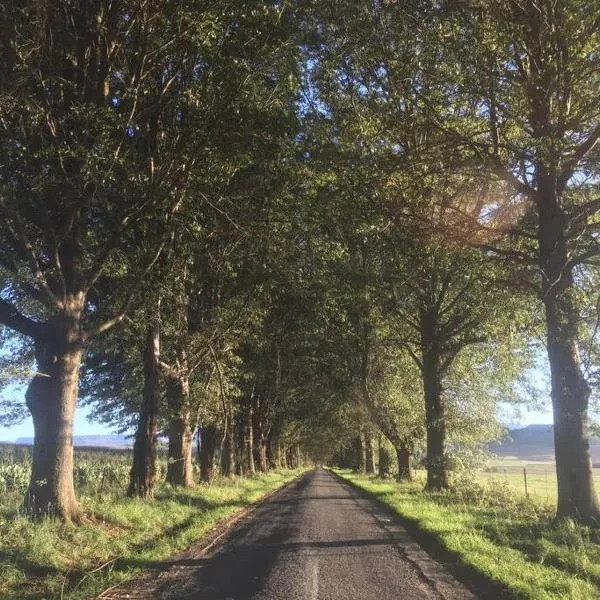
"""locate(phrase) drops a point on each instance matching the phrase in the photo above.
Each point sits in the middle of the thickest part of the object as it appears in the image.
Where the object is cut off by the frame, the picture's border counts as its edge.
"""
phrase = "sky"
(83, 427)
(25, 429)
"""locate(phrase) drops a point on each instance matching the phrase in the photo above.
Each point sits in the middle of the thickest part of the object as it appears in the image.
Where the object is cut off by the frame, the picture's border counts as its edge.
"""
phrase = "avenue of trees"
(286, 231)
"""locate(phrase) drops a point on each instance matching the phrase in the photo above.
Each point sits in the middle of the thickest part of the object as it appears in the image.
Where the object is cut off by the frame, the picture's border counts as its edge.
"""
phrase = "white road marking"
(313, 577)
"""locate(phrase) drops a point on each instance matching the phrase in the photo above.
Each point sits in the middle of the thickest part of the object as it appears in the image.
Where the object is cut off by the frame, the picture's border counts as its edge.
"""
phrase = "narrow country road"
(318, 539)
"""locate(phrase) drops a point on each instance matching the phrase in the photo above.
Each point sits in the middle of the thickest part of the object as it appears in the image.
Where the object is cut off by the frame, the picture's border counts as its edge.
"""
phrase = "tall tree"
(80, 133)
(532, 71)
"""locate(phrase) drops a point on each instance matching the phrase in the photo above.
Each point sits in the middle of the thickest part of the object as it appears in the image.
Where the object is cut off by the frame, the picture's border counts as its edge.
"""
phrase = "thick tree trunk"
(370, 455)
(274, 454)
(570, 391)
(403, 456)
(179, 467)
(384, 460)
(290, 458)
(208, 444)
(361, 452)
(263, 463)
(142, 477)
(52, 398)
(437, 463)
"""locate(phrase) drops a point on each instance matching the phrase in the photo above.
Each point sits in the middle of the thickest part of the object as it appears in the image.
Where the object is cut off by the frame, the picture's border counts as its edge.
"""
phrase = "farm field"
(541, 477)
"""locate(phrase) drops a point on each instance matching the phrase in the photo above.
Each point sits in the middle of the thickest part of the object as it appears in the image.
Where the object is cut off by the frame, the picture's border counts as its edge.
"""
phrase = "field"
(120, 537)
(540, 475)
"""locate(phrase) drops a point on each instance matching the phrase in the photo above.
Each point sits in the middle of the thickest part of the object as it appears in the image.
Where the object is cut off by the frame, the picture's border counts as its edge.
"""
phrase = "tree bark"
(370, 455)
(263, 463)
(142, 477)
(274, 453)
(570, 391)
(179, 467)
(228, 453)
(208, 444)
(403, 456)
(249, 442)
(361, 453)
(290, 458)
(384, 460)
(52, 398)
(437, 463)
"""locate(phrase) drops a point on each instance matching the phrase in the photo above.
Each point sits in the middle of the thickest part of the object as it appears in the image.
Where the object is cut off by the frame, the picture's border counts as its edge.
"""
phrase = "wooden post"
(525, 480)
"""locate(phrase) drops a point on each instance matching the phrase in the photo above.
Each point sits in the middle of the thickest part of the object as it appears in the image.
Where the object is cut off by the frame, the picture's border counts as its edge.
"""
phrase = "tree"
(80, 132)
(530, 70)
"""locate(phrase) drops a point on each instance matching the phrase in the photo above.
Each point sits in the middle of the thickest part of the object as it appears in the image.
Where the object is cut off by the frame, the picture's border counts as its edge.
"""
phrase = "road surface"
(317, 539)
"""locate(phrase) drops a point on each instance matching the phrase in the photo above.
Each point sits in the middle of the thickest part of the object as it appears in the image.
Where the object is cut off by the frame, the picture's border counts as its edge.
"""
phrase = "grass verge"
(493, 536)
(124, 536)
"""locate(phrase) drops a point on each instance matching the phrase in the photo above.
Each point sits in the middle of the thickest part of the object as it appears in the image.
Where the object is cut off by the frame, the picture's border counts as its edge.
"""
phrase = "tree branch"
(12, 318)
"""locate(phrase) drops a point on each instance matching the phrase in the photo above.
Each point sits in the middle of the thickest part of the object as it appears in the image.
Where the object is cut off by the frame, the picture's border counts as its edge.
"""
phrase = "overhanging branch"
(12, 318)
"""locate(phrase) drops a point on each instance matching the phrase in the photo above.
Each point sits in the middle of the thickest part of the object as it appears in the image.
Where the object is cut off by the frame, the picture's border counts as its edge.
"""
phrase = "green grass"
(497, 536)
(51, 560)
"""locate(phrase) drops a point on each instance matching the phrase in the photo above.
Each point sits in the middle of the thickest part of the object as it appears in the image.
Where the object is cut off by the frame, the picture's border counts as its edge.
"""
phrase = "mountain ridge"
(535, 442)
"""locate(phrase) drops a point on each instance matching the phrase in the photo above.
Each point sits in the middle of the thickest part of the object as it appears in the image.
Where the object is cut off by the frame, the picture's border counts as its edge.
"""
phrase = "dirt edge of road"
(471, 578)
(200, 548)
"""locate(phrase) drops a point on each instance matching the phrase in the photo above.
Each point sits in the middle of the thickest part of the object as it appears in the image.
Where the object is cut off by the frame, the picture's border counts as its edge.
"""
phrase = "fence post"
(525, 480)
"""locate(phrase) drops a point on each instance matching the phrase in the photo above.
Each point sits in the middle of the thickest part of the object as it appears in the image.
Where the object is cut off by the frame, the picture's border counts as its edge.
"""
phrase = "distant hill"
(535, 442)
(91, 441)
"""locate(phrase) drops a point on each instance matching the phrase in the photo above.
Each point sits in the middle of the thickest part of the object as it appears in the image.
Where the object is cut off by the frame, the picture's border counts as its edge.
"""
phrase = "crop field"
(97, 472)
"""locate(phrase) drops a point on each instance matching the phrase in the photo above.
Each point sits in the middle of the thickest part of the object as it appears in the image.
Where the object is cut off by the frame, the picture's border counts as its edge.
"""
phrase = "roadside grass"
(120, 538)
(495, 535)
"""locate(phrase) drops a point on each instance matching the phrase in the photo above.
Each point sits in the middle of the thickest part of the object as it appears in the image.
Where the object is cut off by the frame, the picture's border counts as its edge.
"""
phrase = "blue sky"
(25, 429)
(83, 427)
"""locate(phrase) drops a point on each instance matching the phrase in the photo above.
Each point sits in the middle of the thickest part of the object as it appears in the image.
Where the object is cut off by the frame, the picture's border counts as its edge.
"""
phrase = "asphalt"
(317, 539)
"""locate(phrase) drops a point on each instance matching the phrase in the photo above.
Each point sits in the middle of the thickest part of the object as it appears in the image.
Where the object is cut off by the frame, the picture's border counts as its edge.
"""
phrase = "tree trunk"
(142, 477)
(289, 458)
(570, 391)
(249, 442)
(263, 463)
(179, 467)
(384, 460)
(240, 447)
(274, 454)
(370, 455)
(283, 457)
(208, 444)
(228, 453)
(403, 456)
(52, 398)
(437, 463)
(361, 452)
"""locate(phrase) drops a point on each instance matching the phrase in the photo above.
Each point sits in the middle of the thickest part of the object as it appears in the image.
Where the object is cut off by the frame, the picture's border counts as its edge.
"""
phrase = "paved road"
(318, 539)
